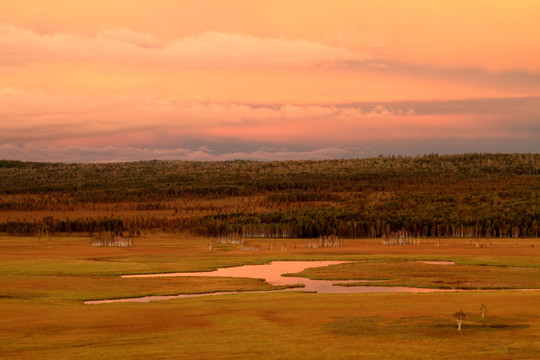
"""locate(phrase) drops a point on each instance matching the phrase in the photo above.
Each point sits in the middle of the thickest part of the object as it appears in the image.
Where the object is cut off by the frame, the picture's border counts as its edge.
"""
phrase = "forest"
(469, 195)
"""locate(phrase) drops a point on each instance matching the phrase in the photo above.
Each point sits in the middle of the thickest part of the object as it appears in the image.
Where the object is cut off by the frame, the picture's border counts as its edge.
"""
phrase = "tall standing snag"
(483, 309)
(459, 316)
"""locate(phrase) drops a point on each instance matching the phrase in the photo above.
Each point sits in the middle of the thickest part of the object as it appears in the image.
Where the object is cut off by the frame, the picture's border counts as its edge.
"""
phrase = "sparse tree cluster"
(108, 239)
(459, 316)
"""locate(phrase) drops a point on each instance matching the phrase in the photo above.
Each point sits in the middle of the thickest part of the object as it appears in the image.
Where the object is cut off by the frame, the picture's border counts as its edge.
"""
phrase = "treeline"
(349, 223)
(459, 195)
(33, 185)
(50, 226)
(293, 223)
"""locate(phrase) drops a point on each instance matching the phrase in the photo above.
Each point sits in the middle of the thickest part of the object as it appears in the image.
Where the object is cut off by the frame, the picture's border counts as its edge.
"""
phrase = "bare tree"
(459, 316)
(483, 309)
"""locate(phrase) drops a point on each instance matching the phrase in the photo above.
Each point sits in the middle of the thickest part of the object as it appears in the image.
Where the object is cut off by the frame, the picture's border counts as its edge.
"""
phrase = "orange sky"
(129, 80)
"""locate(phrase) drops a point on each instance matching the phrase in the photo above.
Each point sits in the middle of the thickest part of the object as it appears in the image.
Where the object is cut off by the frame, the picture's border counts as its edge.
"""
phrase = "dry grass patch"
(414, 274)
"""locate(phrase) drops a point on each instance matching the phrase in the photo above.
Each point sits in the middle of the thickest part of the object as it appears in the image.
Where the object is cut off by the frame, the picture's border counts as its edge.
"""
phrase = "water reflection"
(273, 274)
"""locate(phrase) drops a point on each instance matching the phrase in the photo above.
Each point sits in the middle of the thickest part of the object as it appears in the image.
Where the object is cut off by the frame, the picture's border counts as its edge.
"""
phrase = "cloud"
(515, 80)
(35, 115)
(144, 40)
(213, 65)
(30, 152)
(124, 46)
(120, 154)
(37, 125)
(38, 117)
(518, 106)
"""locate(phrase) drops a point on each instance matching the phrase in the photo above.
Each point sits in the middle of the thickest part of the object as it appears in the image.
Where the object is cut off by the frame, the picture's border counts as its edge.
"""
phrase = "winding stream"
(273, 274)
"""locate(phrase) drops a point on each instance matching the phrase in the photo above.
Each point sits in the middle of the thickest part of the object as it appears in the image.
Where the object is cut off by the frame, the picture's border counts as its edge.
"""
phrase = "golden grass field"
(44, 282)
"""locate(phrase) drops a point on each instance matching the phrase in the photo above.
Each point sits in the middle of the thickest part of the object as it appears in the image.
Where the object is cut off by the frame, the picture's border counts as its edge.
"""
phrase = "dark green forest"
(474, 195)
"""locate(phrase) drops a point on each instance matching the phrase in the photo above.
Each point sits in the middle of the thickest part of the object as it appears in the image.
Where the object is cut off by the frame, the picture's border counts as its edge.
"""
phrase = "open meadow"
(45, 281)
(460, 233)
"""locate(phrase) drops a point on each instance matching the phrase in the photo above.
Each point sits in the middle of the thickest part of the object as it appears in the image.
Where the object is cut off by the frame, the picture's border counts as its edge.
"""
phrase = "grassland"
(44, 282)
(479, 211)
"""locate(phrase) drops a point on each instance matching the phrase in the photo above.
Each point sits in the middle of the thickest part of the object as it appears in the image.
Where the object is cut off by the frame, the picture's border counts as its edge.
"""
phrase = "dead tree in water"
(459, 316)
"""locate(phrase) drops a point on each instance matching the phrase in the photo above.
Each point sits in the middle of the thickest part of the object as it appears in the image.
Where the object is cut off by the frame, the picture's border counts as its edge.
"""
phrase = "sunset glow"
(217, 80)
